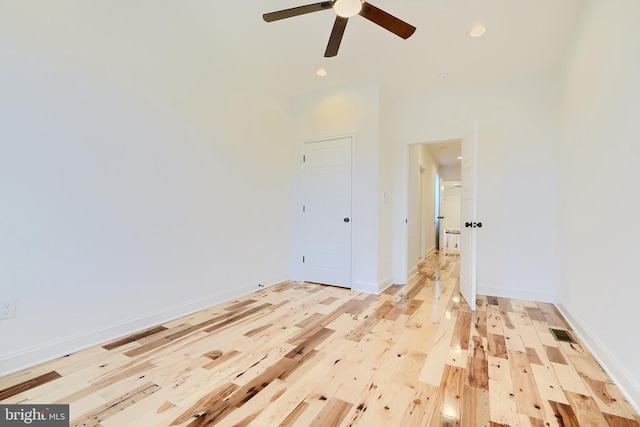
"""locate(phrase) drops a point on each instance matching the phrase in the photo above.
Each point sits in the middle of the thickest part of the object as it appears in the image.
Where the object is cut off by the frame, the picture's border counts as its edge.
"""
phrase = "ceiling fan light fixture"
(347, 8)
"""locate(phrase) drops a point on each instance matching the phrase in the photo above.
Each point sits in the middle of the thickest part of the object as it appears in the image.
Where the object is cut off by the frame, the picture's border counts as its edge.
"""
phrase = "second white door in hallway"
(327, 212)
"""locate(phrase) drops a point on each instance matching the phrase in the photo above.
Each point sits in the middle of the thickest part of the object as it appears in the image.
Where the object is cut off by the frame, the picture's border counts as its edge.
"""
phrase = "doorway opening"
(431, 167)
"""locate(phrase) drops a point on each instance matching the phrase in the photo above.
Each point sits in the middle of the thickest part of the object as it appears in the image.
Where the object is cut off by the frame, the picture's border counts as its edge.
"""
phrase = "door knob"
(467, 224)
(479, 225)
(346, 220)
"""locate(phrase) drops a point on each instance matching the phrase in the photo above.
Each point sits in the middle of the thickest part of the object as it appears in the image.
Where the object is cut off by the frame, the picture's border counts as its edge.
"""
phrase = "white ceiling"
(446, 153)
(523, 37)
(201, 44)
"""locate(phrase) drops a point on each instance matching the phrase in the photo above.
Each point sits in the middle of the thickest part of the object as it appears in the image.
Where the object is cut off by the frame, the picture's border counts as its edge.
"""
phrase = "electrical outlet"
(7, 307)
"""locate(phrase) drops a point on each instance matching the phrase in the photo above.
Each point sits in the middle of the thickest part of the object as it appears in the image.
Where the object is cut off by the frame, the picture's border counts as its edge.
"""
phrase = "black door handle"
(479, 225)
(473, 224)
(346, 220)
(468, 224)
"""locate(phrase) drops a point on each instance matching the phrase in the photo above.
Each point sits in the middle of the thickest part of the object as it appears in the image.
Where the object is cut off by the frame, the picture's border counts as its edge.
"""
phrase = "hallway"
(312, 355)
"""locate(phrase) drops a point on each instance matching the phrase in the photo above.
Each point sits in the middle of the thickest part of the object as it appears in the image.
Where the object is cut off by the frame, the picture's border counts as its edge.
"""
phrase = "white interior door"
(468, 214)
(327, 212)
(452, 198)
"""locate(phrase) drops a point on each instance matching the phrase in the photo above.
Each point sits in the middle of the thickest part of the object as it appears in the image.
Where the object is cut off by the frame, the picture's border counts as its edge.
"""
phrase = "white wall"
(517, 132)
(136, 180)
(344, 110)
(450, 173)
(386, 160)
(598, 171)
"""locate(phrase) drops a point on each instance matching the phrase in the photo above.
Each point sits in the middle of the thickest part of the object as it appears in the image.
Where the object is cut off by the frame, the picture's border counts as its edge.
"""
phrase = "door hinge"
(303, 208)
(406, 221)
(303, 258)
(304, 158)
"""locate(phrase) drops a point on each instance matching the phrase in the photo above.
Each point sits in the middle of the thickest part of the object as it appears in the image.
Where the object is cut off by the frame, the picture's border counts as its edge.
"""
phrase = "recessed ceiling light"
(443, 76)
(477, 31)
(321, 72)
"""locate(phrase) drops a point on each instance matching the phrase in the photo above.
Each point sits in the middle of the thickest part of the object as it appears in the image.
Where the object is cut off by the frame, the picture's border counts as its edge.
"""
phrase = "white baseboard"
(366, 287)
(384, 284)
(525, 294)
(629, 385)
(430, 252)
(412, 272)
(35, 355)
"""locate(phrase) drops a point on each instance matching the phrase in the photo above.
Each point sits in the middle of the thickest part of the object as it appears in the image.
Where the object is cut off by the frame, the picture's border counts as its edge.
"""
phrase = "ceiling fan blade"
(336, 37)
(295, 11)
(386, 20)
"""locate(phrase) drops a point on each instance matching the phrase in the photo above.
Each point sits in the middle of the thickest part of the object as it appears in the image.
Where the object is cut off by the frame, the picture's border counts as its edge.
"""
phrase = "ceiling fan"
(345, 9)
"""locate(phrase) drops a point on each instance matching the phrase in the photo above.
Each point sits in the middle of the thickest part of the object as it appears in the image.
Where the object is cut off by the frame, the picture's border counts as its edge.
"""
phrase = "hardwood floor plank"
(392, 290)
(586, 410)
(240, 304)
(300, 387)
(462, 331)
(564, 414)
(310, 343)
(548, 385)
(616, 421)
(310, 321)
(256, 331)
(528, 399)
(494, 320)
(608, 397)
(386, 406)
(497, 346)
(478, 368)
(207, 403)
(555, 355)
(479, 321)
(535, 314)
(222, 359)
(134, 337)
(475, 410)
(102, 413)
(332, 414)
(107, 381)
(241, 316)
(294, 415)
(569, 378)
(28, 384)
(451, 393)
(532, 354)
(422, 406)
(553, 316)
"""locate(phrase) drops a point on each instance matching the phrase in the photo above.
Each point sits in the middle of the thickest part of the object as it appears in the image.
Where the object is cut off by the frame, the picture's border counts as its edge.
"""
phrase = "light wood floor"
(311, 355)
